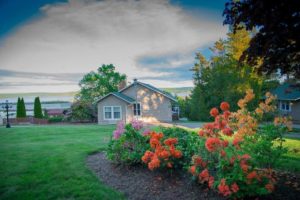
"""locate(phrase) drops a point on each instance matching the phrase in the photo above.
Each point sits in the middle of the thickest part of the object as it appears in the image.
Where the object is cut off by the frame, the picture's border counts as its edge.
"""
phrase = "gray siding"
(111, 101)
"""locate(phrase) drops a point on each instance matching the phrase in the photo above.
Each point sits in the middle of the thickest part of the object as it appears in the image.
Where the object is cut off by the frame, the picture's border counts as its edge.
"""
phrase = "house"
(137, 101)
(288, 100)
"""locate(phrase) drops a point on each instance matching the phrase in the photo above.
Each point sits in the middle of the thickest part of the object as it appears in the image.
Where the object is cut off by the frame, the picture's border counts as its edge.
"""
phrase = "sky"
(48, 45)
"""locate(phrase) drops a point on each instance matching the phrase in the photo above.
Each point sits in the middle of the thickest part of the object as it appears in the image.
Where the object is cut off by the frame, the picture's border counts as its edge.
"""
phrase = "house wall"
(111, 101)
(295, 113)
(154, 106)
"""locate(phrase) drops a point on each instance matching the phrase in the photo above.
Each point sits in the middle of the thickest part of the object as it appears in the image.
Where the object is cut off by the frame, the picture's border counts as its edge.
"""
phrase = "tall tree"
(22, 108)
(38, 113)
(93, 86)
(19, 112)
(277, 41)
(97, 84)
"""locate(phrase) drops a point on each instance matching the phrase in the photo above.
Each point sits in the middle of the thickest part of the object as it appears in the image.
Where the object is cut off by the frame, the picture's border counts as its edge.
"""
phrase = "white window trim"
(112, 113)
(140, 109)
(285, 102)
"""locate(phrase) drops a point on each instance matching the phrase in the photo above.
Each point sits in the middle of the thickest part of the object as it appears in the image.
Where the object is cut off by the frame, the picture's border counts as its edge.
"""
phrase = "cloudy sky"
(47, 45)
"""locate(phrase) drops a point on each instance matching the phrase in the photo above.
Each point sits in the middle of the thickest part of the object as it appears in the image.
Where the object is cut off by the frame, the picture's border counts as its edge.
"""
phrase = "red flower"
(169, 165)
(214, 112)
(246, 156)
(270, 187)
(235, 188)
(193, 170)
(211, 181)
(227, 131)
(201, 133)
(252, 175)
(223, 153)
(224, 106)
(212, 144)
(225, 143)
(226, 114)
(236, 142)
(154, 143)
(204, 175)
(171, 141)
(197, 160)
(223, 188)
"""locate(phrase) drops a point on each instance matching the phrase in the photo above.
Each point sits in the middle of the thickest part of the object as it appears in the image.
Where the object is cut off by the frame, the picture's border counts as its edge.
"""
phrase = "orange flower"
(214, 112)
(246, 156)
(212, 144)
(225, 143)
(252, 175)
(227, 131)
(236, 142)
(197, 160)
(223, 188)
(147, 156)
(171, 141)
(177, 154)
(154, 163)
(211, 181)
(235, 188)
(270, 187)
(193, 170)
(204, 175)
(223, 153)
(224, 106)
(163, 154)
(201, 133)
(169, 165)
(154, 143)
(226, 114)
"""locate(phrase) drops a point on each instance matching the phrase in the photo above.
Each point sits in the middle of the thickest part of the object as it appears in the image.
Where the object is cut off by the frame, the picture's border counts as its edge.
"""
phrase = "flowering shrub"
(236, 160)
(128, 144)
(164, 152)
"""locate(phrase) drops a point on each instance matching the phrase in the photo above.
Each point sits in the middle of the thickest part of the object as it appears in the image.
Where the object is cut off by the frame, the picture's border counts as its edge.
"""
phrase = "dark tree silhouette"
(277, 41)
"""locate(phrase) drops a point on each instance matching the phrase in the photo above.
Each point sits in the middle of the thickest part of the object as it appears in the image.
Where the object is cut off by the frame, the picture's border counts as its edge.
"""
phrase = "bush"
(56, 119)
(128, 145)
(232, 155)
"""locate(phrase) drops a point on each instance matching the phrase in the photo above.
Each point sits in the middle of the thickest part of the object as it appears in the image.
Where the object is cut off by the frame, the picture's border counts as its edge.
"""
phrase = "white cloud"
(78, 36)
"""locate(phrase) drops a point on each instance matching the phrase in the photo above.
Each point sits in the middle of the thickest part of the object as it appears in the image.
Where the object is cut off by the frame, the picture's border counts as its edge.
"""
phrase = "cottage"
(288, 104)
(137, 101)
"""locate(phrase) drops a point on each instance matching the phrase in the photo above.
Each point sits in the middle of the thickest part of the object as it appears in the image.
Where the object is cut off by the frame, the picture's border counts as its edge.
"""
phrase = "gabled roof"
(288, 91)
(119, 96)
(150, 87)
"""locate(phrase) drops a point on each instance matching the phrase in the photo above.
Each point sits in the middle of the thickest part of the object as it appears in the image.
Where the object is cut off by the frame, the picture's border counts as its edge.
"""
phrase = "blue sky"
(44, 41)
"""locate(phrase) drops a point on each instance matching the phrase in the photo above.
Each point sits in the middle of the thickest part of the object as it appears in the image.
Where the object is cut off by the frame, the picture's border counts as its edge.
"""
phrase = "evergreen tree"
(37, 108)
(19, 108)
(22, 108)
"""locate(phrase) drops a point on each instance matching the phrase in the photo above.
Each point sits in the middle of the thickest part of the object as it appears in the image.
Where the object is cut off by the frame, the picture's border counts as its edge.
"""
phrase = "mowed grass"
(291, 160)
(48, 162)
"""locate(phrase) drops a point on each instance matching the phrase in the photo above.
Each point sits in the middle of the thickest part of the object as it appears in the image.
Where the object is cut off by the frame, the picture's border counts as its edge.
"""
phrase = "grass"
(291, 160)
(48, 162)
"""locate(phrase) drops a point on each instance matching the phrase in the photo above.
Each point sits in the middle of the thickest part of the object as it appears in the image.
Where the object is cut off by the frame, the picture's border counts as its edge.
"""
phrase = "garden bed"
(137, 182)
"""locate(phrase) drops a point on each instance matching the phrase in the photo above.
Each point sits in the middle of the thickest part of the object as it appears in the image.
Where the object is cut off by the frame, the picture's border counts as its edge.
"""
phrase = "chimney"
(122, 85)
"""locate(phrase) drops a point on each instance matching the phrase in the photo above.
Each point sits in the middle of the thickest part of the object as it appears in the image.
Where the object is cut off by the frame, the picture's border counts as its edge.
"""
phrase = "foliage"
(128, 145)
(83, 111)
(97, 84)
(93, 86)
(277, 39)
(55, 119)
(21, 110)
(238, 156)
(222, 77)
(38, 113)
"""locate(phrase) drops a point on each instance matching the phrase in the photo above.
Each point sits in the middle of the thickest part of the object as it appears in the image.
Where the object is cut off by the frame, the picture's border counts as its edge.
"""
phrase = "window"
(137, 109)
(285, 106)
(112, 112)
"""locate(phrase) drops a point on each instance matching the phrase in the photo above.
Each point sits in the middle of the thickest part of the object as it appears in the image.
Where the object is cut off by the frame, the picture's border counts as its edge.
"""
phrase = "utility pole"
(7, 107)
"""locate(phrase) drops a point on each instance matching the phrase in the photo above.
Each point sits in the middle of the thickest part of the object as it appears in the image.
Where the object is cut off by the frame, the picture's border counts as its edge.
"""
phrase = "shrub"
(127, 145)
(163, 152)
(56, 119)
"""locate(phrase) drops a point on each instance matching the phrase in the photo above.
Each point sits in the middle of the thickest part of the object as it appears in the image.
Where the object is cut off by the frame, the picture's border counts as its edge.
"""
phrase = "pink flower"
(137, 124)
(146, 132)
(119, 131)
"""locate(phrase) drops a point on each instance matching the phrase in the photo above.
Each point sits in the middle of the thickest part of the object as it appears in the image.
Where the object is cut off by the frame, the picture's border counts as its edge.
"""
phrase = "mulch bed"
(139, 183)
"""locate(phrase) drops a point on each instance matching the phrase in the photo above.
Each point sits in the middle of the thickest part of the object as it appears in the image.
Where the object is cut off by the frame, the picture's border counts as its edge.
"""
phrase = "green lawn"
(48, 162)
